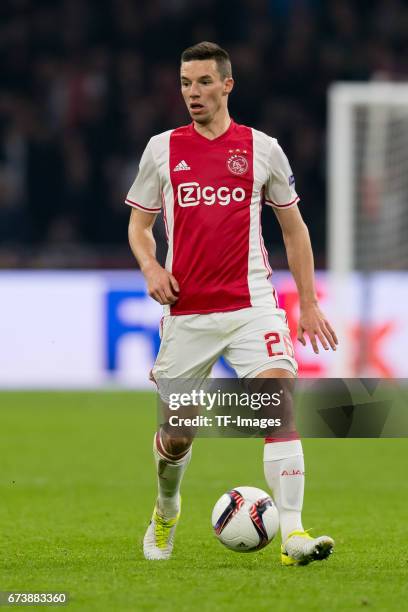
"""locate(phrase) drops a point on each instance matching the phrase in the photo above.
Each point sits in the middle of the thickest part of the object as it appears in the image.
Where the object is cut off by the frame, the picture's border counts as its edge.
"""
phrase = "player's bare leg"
(172, 453)
(285, 474)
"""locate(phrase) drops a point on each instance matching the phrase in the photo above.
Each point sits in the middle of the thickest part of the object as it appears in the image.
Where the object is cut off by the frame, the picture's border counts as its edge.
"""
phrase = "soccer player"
(210, 179)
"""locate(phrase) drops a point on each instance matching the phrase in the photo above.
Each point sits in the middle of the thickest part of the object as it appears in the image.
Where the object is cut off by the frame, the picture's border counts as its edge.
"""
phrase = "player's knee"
(177, 444)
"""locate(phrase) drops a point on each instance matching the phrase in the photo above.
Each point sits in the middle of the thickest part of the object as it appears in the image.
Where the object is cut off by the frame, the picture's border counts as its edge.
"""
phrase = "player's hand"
(313, 322)
(161, 284)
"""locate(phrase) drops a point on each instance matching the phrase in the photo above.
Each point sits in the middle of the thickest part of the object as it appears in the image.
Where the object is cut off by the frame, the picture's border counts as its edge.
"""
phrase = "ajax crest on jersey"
(237, 163)
(245, 519)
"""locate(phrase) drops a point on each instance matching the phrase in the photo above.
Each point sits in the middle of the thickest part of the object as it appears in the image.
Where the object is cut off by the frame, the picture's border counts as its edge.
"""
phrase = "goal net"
(367, 192)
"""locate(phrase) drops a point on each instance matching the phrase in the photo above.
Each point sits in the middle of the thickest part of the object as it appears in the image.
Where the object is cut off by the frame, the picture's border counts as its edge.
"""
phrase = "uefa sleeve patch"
(291, 180)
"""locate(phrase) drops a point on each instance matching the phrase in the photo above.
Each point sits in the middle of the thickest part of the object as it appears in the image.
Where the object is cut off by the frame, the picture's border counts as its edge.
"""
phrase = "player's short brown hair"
(209, 50)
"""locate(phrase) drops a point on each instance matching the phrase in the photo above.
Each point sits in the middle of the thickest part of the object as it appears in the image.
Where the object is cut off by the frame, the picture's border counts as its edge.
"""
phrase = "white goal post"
(384, 104)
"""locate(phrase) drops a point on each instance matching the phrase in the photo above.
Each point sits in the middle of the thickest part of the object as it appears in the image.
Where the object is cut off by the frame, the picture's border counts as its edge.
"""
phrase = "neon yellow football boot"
(300, 548)
(159, 538)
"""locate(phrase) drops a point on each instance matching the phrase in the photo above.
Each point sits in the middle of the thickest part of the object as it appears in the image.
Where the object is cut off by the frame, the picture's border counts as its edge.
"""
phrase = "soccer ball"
(245, 519)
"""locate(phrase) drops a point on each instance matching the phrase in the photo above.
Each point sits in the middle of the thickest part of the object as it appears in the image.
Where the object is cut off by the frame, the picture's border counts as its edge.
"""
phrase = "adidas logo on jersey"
(181, 166)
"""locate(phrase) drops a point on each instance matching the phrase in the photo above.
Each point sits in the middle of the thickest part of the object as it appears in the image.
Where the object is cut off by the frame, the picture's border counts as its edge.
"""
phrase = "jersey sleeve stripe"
(270, 202)
(136, 205)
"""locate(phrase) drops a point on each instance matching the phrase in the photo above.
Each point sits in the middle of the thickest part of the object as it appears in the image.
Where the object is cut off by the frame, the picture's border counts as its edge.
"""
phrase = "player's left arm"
(299, 252)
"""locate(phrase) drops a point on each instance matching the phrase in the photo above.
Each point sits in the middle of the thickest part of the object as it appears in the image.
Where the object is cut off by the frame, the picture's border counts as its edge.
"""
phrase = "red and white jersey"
(211, 193)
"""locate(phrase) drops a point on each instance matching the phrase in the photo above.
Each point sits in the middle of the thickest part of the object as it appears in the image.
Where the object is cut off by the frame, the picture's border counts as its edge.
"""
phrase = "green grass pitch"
(77, 488)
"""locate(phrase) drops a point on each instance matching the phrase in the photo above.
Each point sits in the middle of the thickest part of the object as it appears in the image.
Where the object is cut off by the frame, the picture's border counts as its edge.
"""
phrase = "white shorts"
(251, 340)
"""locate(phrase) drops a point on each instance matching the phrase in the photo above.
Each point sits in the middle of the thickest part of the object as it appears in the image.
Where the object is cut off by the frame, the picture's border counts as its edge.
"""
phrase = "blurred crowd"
(85, 83)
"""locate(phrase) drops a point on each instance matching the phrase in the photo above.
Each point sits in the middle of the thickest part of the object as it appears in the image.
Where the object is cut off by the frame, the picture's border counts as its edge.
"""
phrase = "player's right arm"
(145, 198)
(161, 284)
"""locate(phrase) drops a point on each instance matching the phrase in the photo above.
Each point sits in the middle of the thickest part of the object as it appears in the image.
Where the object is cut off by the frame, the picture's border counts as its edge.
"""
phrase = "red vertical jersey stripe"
(212, 201)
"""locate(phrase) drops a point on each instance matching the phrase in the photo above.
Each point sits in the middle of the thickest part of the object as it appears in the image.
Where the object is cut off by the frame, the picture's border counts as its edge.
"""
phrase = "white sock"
(170, 471)
(285, 474)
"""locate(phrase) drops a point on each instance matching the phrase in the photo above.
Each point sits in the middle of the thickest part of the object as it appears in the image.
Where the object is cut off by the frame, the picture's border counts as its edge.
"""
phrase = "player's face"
(203, 89)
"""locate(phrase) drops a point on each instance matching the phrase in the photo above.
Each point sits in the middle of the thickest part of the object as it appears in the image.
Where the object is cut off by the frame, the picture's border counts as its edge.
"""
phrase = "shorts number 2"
(273, 338)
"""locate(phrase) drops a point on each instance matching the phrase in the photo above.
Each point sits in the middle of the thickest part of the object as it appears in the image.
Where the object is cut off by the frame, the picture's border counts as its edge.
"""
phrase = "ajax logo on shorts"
(191, 194)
